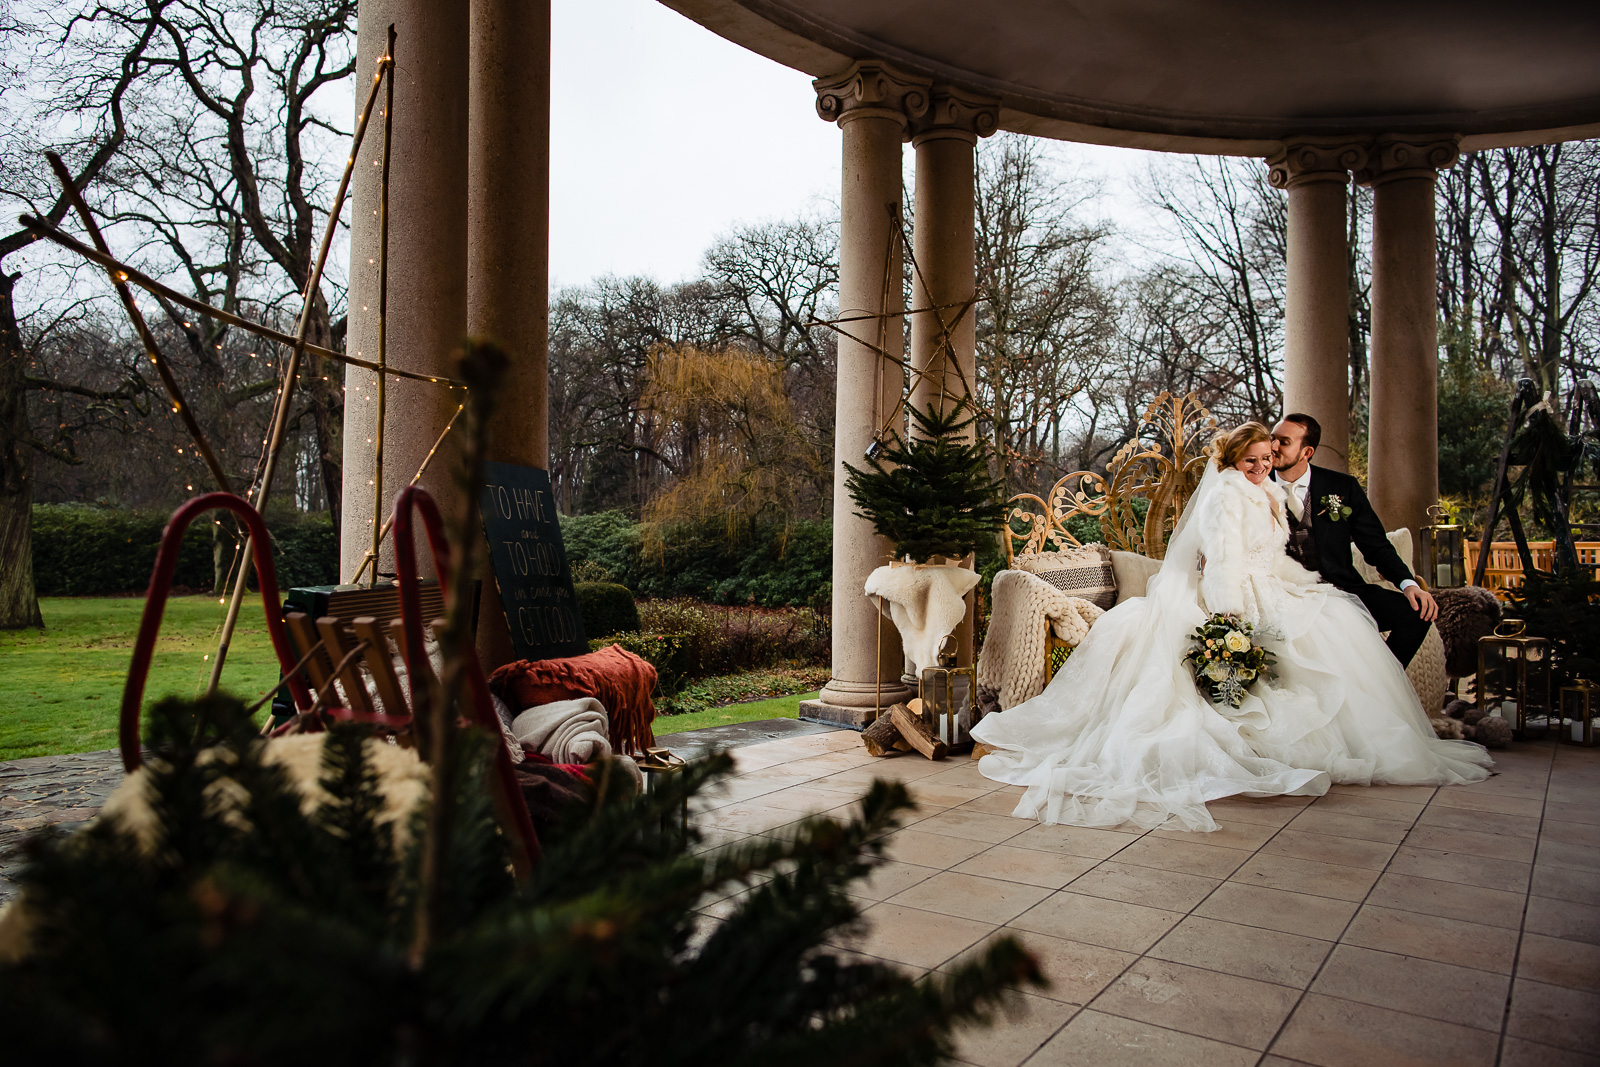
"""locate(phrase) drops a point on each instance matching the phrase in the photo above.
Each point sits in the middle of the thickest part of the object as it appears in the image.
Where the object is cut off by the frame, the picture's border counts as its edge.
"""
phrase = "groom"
(1328, 512)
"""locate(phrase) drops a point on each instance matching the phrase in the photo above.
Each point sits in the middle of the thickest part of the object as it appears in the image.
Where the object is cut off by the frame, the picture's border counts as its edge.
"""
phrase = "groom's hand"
(1422, 602)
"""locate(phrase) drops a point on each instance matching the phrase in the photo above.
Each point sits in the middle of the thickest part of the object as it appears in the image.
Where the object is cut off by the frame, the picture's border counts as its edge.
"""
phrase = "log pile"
(901, 729)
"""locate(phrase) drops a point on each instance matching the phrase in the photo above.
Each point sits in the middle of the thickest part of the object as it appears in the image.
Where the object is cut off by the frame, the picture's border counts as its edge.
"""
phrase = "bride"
(1122, 733)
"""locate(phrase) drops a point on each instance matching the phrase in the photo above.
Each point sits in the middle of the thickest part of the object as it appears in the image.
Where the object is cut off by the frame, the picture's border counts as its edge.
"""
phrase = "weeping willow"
(728, 432)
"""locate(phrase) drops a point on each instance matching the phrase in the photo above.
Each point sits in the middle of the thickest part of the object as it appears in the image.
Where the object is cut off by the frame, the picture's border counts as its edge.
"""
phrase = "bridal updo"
(1229, 448)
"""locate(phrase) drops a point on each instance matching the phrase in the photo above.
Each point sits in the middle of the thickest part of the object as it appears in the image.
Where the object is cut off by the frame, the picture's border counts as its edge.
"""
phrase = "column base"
(836, 715)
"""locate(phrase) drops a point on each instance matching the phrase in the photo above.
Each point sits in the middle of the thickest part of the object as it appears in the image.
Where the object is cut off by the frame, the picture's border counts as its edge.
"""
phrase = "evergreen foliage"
(1566, 609)
(931, 495)
(264, 934)
(773, 565)
(606, 608)
(84, 550)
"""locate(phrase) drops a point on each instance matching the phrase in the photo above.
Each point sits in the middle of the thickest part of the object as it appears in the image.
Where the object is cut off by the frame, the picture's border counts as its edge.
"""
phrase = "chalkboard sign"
(529, 562)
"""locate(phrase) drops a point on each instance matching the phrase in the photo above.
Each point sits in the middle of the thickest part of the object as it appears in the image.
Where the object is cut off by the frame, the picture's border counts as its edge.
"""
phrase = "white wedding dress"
(1122, 734)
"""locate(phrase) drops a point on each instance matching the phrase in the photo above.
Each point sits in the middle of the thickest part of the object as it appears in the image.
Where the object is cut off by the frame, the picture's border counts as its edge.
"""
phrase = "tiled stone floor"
(1372, 926)
(1458, 926)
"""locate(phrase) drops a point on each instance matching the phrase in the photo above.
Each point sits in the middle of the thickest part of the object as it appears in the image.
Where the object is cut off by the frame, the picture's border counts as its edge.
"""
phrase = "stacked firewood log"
(901, 729)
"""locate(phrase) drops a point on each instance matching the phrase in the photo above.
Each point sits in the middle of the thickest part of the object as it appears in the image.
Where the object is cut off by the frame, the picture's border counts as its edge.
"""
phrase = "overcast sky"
(664, 135)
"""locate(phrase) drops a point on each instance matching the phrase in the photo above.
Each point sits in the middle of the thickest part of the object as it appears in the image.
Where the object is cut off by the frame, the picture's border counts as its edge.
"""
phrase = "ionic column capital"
(955, 114)
(1315, 159)
(1393, 158)
(872, 88)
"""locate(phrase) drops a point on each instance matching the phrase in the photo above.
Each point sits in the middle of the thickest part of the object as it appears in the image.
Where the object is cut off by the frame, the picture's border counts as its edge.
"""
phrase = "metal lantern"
(1444, 551)
(658, 765)
(1577, 712)
(947, 697)
(1514, 679)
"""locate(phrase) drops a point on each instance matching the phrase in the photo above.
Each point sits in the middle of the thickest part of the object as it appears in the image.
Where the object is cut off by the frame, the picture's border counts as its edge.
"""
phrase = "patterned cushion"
(1082, 572)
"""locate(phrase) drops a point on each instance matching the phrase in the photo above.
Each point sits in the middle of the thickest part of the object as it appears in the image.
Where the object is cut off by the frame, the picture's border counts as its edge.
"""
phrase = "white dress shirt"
(1298, 489)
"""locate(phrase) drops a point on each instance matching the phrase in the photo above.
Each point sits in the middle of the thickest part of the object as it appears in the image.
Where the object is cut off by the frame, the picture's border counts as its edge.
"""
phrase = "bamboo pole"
(43, 229)
(280, 414)
(383, 319)
(372, 557)
(148, 339)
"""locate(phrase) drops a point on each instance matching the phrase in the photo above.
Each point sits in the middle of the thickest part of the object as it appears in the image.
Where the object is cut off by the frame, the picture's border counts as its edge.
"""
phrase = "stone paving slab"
(1349, 930)
(1457, 926)
(49, 791)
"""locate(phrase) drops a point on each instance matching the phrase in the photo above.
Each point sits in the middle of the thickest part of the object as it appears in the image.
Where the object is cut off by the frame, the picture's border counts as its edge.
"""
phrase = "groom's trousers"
(1394, 613)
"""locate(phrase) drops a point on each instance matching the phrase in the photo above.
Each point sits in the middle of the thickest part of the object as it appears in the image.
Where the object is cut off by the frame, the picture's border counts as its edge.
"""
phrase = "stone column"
(943, 346)
(872, 103)
(1403, 432)
(508, 239)
(427, 306)
(1316, 357)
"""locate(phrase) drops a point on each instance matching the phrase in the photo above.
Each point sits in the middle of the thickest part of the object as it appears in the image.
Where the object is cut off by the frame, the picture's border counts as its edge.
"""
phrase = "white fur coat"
(1243, 530)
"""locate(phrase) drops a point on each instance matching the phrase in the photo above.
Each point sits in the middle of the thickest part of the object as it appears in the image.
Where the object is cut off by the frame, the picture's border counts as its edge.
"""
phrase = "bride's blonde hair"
(1229, 448)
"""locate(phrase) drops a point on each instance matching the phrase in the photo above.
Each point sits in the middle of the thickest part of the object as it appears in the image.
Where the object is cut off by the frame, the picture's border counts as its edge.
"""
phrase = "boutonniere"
(1334, 508)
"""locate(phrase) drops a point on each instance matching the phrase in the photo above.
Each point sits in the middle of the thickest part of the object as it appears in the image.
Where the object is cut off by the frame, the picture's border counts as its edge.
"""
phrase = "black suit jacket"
(1334, 536)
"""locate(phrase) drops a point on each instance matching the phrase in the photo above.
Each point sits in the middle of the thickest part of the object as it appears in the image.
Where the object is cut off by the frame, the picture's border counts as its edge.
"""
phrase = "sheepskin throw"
(1081, 572)
(1012, 661)
(925, 602)
(1465, 614)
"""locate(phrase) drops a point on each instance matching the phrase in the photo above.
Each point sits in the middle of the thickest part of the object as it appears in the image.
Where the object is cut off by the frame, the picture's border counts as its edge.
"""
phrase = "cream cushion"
(1132, 573)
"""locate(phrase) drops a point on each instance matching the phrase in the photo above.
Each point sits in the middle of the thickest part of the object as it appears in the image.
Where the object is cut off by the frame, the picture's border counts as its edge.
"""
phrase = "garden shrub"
(777, 565)
(728, 640)
(606, 608)
(85, 550)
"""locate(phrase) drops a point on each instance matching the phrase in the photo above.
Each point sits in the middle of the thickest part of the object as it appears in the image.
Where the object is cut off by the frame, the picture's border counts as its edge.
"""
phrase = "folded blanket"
(566, 731)
(1012, 660)
(621, 681)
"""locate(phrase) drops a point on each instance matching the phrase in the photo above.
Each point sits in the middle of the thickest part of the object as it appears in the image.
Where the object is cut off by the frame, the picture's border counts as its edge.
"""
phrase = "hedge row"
(775, 567)
(82, 550)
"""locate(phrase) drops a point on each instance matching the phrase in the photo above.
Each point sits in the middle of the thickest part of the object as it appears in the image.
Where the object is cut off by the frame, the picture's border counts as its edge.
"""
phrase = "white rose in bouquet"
(1238, 642)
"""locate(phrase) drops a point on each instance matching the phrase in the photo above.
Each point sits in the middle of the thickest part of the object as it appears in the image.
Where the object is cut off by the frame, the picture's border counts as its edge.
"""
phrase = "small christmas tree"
(240, 928)
(931, 495)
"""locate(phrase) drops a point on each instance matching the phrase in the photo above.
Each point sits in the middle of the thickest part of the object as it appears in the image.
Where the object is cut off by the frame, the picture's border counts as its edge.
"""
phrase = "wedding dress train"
(1122, 734)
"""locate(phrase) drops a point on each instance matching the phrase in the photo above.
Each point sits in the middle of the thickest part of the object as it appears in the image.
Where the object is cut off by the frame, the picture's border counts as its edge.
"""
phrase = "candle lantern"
(1577, 712)
(947, 697)
(661, 766)
(1514, 679)
(1444, 547)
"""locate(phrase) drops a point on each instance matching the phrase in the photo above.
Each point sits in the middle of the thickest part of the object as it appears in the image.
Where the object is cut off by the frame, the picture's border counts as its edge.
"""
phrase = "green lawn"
(60, 687)
(777, 708)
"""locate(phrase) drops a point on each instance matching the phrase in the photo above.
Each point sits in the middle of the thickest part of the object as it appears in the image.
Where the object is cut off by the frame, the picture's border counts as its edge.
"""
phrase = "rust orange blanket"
(614, 676)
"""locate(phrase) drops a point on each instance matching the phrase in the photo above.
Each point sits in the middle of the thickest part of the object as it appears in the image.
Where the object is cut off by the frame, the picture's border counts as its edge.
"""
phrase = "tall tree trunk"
(19, 603)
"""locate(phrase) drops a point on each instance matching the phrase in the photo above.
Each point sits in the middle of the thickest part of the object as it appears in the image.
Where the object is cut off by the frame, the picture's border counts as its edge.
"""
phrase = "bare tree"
(1043, 317)
(92, 80)
(231, 174)
(1520, 258)
(1231, 239)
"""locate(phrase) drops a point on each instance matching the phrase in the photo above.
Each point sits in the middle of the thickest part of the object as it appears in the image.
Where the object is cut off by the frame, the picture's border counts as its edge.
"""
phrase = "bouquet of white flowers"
(1226, 660)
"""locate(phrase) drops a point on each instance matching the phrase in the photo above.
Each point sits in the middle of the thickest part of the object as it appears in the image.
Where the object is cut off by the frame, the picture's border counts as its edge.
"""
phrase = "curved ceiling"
(1224, 76)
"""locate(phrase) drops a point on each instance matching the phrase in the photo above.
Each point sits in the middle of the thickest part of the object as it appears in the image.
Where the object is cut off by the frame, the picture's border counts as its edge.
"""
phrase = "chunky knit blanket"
(1012, 661)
